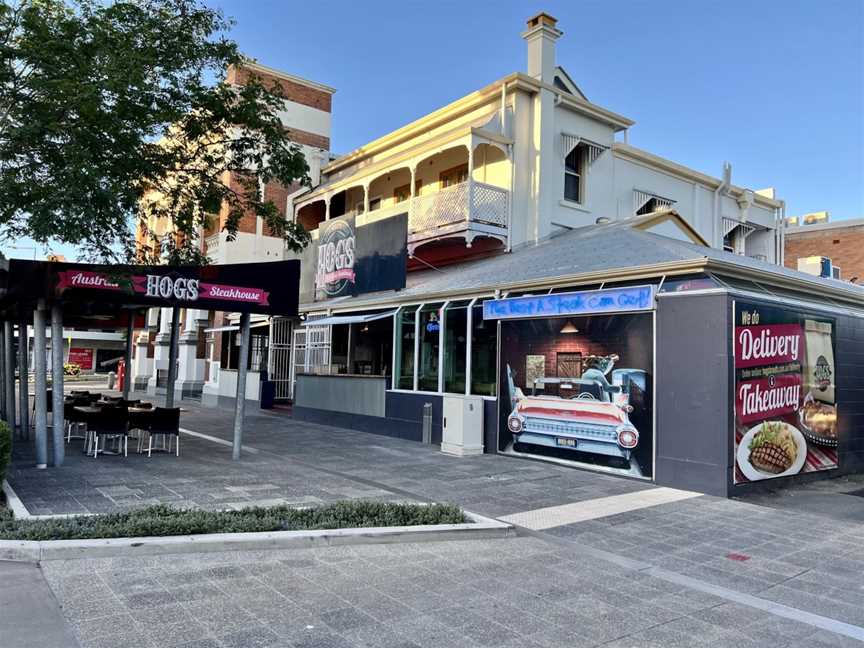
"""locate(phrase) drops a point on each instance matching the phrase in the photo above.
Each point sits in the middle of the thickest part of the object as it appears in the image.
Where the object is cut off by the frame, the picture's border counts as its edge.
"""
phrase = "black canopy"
(87, 289)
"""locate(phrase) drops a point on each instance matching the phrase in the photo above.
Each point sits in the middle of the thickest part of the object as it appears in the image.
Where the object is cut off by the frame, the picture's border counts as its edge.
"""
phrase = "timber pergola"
(115, 296)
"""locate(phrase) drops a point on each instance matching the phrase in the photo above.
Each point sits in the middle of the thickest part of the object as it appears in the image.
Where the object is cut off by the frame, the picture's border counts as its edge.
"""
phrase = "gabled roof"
(566, 83)
(613, 251)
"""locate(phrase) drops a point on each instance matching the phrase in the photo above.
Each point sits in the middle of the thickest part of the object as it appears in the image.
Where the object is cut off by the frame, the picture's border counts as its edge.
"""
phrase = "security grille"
(310, 351)
(279, 368)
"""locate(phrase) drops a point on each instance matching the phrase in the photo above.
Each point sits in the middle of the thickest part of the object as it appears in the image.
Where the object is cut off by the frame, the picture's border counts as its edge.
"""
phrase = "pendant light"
(569, 327)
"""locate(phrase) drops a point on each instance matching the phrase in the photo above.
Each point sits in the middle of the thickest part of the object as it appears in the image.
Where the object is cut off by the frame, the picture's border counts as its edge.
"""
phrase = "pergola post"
(3, 373)
(40, 371)
(57, 420)
(173, 341)
(9, 377)
(127, 375)
(23, 380)
(242, 366)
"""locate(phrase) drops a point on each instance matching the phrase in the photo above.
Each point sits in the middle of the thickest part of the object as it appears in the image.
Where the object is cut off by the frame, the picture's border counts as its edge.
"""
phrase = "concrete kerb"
(478, 527)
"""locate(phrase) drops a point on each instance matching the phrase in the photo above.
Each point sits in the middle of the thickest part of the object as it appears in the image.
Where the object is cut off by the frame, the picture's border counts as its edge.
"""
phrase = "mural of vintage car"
(594, 420)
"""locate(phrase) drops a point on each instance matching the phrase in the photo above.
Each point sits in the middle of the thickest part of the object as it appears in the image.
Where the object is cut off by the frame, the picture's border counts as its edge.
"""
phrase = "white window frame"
(394, 381)
(580, 175)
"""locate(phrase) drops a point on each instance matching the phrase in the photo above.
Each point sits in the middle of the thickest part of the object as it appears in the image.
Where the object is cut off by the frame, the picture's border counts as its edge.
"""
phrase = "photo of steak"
(770, 458)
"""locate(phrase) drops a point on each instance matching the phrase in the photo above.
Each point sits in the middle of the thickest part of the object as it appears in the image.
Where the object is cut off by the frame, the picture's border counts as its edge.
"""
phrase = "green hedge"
(162, 520)
(5, 449)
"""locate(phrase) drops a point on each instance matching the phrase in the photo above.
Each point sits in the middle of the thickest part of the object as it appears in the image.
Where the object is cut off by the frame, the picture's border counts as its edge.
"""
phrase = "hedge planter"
(161, 529)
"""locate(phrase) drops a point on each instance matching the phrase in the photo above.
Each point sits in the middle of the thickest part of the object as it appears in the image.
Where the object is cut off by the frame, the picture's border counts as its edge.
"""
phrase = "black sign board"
(347, 260)
(267, 288)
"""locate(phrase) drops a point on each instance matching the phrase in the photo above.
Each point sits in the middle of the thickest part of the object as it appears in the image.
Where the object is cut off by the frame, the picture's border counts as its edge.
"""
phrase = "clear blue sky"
(776, 87)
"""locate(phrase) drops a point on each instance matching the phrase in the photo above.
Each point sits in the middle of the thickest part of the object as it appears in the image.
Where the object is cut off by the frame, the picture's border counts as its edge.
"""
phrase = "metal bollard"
(427, 423)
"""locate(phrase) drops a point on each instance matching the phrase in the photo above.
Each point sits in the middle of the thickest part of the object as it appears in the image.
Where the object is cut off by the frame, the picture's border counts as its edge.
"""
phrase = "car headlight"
(628, 437)
(515, 424)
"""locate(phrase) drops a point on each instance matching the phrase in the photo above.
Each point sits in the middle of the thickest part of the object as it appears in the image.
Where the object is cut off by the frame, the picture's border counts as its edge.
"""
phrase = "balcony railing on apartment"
(476, 208)
(470, 209)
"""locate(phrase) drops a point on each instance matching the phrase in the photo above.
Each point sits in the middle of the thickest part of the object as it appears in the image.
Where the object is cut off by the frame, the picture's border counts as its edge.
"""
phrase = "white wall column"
(160, 351)
(190, 373)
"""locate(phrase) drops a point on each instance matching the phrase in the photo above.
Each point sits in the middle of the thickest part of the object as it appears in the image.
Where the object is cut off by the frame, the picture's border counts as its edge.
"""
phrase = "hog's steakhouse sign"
(164, 287)
(267, 288)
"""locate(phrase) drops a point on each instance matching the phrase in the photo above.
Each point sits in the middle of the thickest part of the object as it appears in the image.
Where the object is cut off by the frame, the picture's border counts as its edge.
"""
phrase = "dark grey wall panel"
(407, 410)
(490, 426)
(693, 431)
(849, 360)
(349, 394)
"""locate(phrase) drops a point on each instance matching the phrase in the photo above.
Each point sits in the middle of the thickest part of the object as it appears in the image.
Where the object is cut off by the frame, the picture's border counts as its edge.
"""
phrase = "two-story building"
(508, 274)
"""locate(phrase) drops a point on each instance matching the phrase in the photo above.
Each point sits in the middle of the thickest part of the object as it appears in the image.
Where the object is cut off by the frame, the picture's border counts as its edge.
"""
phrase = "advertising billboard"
(82, 357)
(785, 420)
(579, 389)
(349, 260)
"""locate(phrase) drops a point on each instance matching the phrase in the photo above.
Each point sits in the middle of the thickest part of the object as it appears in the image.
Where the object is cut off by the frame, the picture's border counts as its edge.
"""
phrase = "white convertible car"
(594, 420)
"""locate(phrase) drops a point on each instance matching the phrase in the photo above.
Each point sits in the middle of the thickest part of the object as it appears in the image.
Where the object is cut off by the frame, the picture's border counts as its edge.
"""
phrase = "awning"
(348, 319)
(235, 327)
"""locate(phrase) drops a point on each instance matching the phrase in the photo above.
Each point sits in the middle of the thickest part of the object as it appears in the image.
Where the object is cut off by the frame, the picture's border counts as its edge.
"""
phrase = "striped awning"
(642, 198)
(729, 224)
(570, 142)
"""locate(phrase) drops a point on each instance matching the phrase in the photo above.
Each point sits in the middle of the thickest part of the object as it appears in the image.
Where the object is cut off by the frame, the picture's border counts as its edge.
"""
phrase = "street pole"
(40, 399)
(242, 366)
(57, 419)
(127, 375)
(172, 356)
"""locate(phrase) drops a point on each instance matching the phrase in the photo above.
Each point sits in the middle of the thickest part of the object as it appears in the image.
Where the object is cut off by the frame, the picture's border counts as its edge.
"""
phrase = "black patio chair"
(109, 423)
(165, 423)
(73, 419)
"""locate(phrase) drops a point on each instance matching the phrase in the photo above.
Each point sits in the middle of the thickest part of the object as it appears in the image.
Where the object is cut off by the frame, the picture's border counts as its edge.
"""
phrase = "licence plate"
(567, 443)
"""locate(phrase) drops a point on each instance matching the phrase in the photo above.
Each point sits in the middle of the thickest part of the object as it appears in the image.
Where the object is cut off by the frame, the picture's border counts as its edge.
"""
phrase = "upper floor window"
(401, 194)
(574, 174)
(454, 176)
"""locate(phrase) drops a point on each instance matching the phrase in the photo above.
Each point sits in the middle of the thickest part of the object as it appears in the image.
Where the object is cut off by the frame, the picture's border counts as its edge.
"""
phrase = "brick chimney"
(541, 35)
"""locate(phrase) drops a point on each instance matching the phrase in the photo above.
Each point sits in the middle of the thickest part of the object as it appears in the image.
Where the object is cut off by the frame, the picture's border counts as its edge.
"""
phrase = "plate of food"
(771, 449)
(819, 421)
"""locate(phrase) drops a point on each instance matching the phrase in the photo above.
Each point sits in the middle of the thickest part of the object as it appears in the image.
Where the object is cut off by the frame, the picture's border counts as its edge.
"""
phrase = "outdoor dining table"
(93, 410)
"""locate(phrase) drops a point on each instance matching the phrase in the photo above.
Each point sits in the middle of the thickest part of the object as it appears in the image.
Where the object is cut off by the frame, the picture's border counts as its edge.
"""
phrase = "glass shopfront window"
(404, 372)
(430, 336)
(484, 353)
(455, 346)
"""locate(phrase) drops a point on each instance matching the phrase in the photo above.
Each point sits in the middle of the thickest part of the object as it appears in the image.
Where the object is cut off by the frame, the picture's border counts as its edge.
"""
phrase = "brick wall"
(843, 245)
(292, 90)
(628, 336)
(309, 139)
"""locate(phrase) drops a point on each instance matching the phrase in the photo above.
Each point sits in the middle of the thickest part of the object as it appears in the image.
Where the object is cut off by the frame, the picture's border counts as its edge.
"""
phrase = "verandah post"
(40, 397)
(173, 342)
(57, 420)
(242, 366)
(9, 378)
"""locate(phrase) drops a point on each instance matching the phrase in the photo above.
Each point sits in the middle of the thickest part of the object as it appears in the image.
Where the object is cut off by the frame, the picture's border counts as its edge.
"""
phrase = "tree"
(104, 106)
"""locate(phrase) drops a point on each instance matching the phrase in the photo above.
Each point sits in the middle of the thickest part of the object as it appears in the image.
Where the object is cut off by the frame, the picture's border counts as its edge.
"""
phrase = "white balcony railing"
(466, 202)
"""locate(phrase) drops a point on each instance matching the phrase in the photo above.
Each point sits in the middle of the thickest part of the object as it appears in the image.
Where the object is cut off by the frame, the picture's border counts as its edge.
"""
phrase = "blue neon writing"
(577, 303)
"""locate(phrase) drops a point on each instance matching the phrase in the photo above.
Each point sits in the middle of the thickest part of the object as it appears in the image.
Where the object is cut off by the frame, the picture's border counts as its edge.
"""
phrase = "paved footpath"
(600, 560)
(30, 616)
